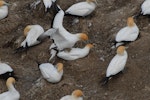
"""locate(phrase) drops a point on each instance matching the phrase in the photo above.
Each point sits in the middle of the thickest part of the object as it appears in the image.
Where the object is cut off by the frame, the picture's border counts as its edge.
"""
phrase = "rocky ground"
(85, 74)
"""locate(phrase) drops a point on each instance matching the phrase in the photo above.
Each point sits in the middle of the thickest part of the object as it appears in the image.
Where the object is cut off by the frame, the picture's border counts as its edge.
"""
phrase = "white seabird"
(117, 64)
(129, 33)
(3, 9)
(75, 53)
(76, 95)
(12, 93)
(51, 73)
(82, 8)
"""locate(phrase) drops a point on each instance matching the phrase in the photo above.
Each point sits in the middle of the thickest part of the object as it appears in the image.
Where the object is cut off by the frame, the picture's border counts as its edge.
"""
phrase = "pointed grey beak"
(7, 4)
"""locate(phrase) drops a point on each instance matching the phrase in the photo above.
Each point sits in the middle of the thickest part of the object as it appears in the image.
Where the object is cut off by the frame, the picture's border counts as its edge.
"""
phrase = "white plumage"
(76, 95)
(48, 3)
(3, 9)
(12, 93)
(75, 53)
(62, 38)
(51, 73)
(146, 7)
(82, 8)
(5, 68)
(32, 33)
(128, 33)
(52, 51)
(118, 62)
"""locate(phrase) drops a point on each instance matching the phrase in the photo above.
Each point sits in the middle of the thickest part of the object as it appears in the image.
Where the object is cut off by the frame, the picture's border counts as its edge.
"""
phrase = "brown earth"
(85, 74)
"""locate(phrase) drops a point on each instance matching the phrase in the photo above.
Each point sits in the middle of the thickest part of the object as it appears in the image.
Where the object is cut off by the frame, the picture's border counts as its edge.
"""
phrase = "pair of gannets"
(48, 3)
(82, 8)
(128, 33)
(51, 73)
(6, 71)
(117, 64)
(3, 9)
(76, 95)
(61, 37)
(32, 33)
(12, 93)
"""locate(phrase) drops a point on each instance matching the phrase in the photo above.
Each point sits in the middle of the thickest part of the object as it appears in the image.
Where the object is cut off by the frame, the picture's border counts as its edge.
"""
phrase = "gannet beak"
(7, 4)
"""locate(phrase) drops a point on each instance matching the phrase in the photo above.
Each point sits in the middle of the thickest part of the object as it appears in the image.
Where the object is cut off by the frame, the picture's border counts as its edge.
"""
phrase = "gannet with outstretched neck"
(12, 93)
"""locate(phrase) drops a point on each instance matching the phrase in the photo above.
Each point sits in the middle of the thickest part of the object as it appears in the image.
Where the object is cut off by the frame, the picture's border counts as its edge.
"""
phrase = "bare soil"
(85, 74)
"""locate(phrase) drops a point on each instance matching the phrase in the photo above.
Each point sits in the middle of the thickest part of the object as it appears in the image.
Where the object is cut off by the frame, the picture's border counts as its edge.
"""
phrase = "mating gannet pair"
(6, 71)
(12, 93)
(3, 9)
(52, 73)
(82, 8)
(128, 33)
(76, 95)
(61, 37)
(117, 64)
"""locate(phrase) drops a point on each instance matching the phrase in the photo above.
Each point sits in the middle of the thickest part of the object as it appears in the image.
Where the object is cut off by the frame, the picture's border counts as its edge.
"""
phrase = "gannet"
(117, 64)
(12, 93)
(3, 9)
(145, 7)
(51, 73)
(75, 53)
(82, 8)
(32, 33)
(128, 33)
(6, 71)
(76, 95)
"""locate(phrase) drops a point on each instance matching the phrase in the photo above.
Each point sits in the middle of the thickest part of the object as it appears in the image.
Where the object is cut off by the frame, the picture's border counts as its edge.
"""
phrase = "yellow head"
(10, 81)
(2, 3)
(83, 36)
(59, 67)
(26, 30)
(120, 50)
(130, 22)
(77, 93)
(90, 45)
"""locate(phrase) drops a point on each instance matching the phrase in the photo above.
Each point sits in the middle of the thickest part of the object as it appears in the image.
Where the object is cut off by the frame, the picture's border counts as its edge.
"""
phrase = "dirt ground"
(85, 74)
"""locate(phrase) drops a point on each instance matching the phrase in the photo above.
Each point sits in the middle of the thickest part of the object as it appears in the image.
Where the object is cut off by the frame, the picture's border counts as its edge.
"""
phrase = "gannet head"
(89, 45)
(130, 22)
(3, 3)
(27, 29)
(83, 36)
(120, 50)
(59, 67)
(10, 81)
(77, 93)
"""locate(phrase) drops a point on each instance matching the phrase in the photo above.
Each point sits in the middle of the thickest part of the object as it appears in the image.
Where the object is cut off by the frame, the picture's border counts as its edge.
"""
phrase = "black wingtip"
(56, 7)
(6, 75)
(104, 81)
